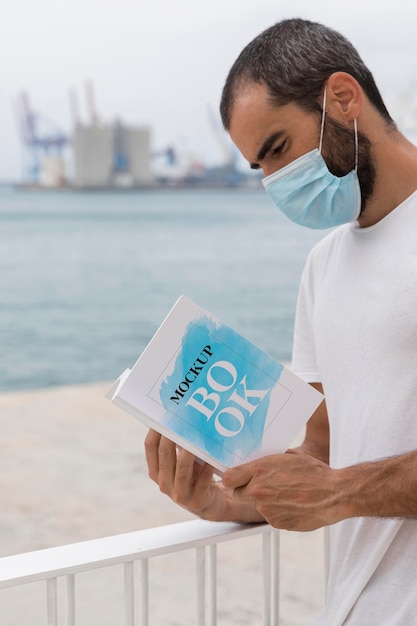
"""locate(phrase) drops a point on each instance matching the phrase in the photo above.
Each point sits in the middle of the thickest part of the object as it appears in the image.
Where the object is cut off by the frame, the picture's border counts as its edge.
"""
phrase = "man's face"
(270, 137)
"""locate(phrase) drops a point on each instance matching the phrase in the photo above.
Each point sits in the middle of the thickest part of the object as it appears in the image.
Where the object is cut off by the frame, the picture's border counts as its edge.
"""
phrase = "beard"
(339, 153)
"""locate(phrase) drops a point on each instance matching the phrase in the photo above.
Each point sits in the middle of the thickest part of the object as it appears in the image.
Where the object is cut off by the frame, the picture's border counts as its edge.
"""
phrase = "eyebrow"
(265, 148)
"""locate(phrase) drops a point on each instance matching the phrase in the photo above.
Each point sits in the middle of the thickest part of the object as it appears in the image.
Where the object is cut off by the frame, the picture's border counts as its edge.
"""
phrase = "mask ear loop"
(355, 126)
(322, 119)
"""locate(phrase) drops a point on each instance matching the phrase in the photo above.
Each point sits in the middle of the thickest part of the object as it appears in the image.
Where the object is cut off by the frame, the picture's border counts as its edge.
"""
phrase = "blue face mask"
(310, 195)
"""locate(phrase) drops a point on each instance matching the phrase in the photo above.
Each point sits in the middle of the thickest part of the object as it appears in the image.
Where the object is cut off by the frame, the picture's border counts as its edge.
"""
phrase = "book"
(211, 391)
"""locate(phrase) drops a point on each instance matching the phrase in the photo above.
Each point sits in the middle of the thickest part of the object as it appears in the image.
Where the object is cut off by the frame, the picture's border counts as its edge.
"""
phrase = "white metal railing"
(66, 561)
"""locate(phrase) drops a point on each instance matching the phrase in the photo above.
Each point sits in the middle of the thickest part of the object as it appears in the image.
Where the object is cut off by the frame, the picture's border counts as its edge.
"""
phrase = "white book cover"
(213, 392)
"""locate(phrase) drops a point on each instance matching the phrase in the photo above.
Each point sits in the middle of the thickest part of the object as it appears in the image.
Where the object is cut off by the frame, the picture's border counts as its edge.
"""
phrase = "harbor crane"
(40, 137)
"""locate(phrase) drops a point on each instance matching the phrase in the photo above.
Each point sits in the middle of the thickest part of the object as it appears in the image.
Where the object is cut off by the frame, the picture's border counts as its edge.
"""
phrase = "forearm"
(317, 436)
(316, 450)
(384, 488)
(297, 491)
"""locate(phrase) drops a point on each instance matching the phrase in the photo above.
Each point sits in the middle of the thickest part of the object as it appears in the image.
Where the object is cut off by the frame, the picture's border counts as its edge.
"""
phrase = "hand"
(178, 475)
(292, 491)
(191, 484)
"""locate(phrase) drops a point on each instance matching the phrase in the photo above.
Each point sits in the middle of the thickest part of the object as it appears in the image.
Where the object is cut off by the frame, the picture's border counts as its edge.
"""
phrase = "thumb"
(238, 476)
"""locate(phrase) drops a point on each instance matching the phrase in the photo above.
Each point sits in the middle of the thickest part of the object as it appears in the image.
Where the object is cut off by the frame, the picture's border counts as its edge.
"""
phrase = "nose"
(269, 170)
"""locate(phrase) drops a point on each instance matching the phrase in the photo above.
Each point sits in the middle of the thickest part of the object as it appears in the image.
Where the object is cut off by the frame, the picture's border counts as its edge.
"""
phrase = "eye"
(278, 148)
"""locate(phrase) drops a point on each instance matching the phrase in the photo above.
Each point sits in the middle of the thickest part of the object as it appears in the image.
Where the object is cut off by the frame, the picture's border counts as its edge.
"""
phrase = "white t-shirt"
(356, 333)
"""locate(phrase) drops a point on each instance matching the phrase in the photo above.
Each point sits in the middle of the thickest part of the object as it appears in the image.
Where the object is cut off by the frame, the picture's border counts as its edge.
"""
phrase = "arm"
(317, 438)
(299, 491)
(383, 488)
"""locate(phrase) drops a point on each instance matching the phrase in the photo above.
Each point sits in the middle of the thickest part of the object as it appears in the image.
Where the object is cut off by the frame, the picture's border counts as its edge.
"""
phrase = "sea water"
(86, 278)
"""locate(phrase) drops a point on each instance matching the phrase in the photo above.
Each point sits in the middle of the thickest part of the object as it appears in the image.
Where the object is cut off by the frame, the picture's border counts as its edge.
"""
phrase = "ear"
(344, 97)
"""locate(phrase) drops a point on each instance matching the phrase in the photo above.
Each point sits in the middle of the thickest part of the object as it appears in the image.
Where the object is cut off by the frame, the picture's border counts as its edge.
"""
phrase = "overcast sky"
(163, 62)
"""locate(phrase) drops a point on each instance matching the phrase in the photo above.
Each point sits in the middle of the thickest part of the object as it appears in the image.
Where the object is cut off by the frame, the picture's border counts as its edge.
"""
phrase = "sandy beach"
(72, 468)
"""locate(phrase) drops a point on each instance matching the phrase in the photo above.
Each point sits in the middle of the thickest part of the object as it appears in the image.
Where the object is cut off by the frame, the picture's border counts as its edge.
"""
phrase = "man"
(300, 104)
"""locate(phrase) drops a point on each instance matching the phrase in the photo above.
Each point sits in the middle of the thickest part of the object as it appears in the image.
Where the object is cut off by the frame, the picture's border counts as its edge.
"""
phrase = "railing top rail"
(86, 555)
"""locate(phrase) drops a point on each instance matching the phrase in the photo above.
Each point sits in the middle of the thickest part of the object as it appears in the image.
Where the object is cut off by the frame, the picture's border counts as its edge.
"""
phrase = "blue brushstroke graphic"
(242, 422)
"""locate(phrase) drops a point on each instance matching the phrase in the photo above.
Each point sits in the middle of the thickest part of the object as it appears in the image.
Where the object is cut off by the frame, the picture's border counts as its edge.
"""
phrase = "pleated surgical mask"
(310, 195)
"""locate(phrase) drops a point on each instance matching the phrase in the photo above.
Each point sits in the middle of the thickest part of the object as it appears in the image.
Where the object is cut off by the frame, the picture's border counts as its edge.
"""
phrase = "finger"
(184, 475)
(152, 440)
(242, 494)
(167, 454)
(191, 474)
(238, 476)
(203, 474)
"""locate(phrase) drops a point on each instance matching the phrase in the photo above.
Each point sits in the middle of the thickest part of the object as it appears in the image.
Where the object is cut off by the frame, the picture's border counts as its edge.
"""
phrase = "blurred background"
(119, 189)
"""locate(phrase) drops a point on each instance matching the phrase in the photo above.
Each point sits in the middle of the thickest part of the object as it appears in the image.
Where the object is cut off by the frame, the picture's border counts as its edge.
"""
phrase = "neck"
(396, 175)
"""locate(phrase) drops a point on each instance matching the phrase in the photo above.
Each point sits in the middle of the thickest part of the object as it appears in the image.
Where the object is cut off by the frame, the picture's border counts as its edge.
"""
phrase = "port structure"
(41, 139)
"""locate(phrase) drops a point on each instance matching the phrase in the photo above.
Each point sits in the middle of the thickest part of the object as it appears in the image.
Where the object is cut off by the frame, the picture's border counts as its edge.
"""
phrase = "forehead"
(254, 118)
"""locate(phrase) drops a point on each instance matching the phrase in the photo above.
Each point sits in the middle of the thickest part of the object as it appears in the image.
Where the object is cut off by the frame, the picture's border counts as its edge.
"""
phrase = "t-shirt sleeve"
(304, 357)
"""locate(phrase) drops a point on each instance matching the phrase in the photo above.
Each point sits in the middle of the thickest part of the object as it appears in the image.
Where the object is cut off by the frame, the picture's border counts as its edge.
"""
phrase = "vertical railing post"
(129, 593)
(266, 551)
(206, 581)
(212, 581)
(70, 621)
(201, 585)
(275, 577)
(52, 601)
(144, 592)
(271, 577)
